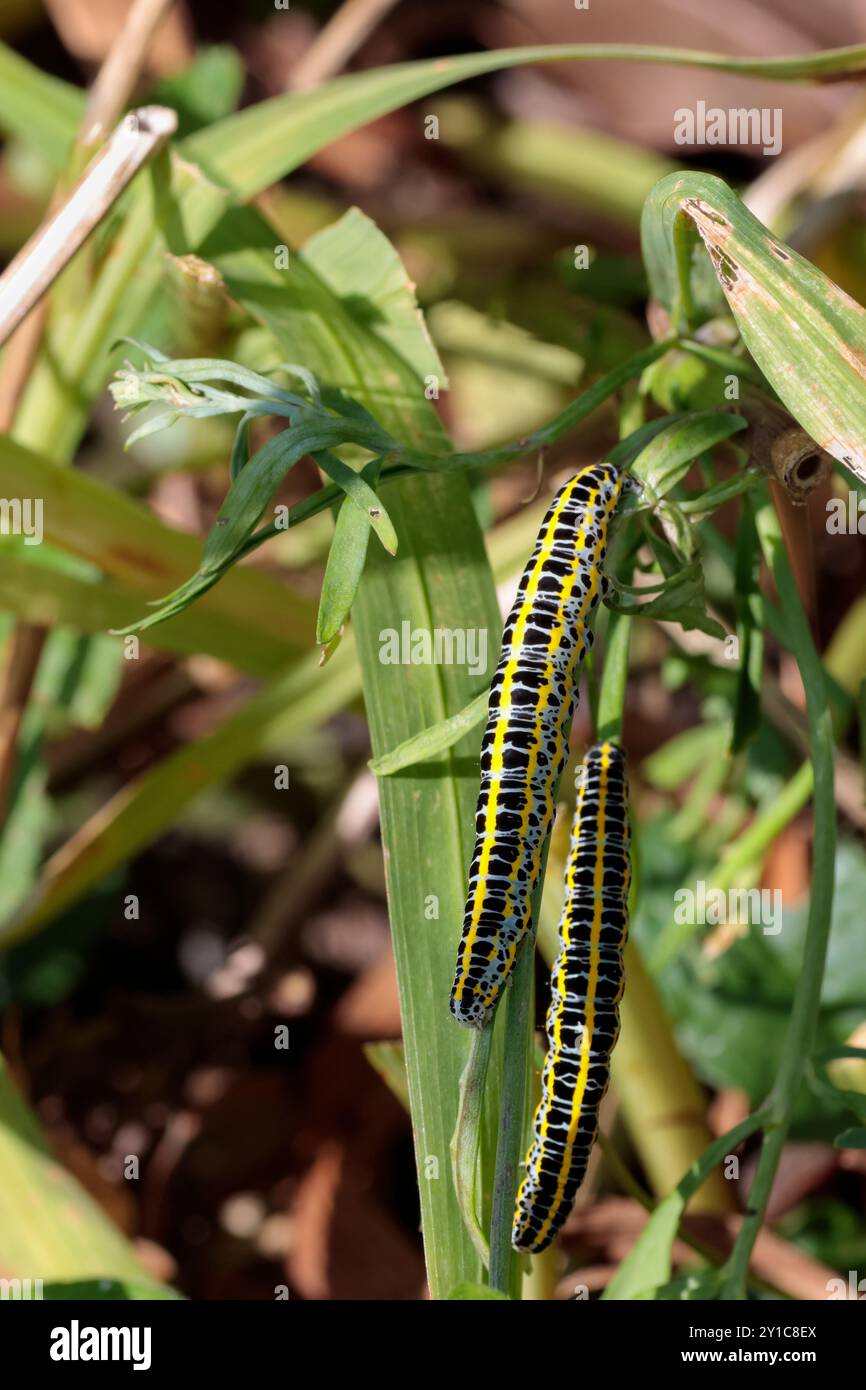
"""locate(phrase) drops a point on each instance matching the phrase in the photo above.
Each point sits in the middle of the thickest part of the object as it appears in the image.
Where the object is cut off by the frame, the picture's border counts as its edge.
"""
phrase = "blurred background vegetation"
(145, 971)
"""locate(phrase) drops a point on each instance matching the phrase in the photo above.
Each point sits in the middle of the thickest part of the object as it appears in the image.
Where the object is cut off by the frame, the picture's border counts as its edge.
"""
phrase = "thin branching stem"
(807, 997)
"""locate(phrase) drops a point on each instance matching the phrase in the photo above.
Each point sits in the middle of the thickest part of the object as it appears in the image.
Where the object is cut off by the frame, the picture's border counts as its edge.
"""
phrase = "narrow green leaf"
(614, 678)
(251, 490)
(359, 492)
(851, 1139)
(432, 741)
(466, 1140)
(258, 146)
(108, 1290)
(697, 1286)
(440, 578)
(475, 1293)
(50, 1227)
(387, 1058)
(256, 483)
(84, 517)
(647, 1266)
(37, 106)
(345, 563)
(668, 457)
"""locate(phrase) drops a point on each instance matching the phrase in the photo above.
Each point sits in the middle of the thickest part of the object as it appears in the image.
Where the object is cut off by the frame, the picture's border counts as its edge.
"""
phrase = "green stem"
(518, 1033)
(622, 1175)
(683, 309)
(611, 701)
(504, 1264)
(807, 998)
(466, 1141)
(410, 460)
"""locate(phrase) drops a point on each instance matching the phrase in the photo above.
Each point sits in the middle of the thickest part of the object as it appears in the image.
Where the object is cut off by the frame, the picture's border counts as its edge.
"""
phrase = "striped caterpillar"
(586, 987)
(523, 752)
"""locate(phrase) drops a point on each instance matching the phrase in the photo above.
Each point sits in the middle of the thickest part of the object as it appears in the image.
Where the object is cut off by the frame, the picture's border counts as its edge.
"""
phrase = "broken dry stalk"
(135, 141)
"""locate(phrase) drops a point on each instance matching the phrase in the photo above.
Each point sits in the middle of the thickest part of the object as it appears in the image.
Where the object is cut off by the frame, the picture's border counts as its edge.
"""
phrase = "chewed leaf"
(807, 336)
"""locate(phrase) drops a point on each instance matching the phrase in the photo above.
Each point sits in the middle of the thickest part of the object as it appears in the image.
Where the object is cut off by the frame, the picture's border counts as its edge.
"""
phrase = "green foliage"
(359, 405)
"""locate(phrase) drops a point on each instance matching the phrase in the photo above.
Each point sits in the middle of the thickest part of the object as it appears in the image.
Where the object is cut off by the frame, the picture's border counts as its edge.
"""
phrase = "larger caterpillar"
(523, 752)
(586, 987)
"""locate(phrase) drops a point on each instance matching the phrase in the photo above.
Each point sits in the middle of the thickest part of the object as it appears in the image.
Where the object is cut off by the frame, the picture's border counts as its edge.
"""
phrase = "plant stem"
(807, 998)
(611, 700)
(518, 1032)
(466, 1141)
(683, 311)
(504, 1265)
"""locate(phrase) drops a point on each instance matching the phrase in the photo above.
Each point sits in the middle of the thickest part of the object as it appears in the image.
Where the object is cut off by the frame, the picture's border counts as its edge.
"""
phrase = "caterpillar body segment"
(586, 988)
(525, 743)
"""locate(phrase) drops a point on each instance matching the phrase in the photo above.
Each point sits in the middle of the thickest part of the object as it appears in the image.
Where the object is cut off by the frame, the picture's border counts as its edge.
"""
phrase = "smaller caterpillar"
(586, 987)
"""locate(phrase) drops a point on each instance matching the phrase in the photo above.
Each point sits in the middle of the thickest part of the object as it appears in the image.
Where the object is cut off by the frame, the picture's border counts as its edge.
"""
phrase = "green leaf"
(88, 602)
(701, 1286)
(851, 1139)
(50, 1227)
(668, 457)
(359, 492)
(107, 1290)
(682, 600)
(345, 564)
(388, 1059)
(807, 336)
(127, 542)
(208, 90)
(250, 151)
(258, 146)
(249, 494)
(38, 107)
(647, 1266)
(350, 248)
(477, 1293)
(429, 742)
(440, 571)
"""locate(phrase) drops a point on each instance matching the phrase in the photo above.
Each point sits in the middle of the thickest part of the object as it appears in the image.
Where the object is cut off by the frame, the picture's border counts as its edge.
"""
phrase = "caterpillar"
(586, 987)
(523, 751)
